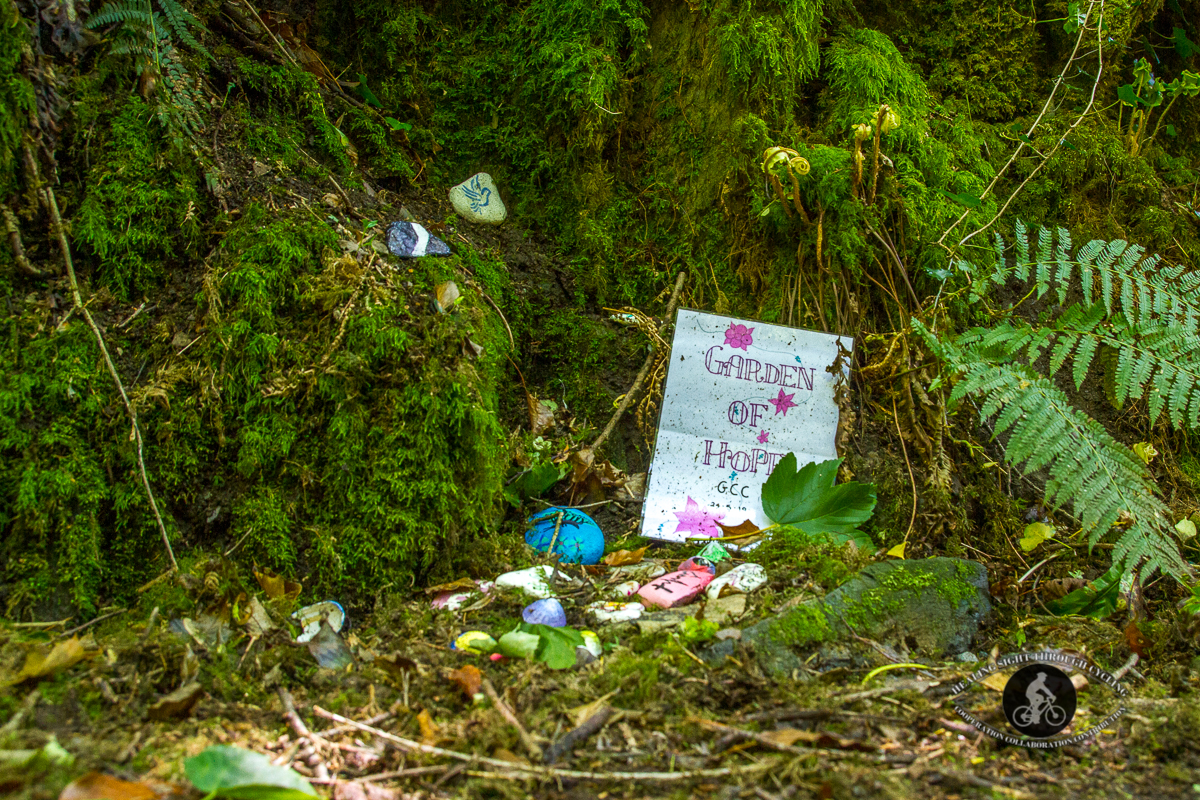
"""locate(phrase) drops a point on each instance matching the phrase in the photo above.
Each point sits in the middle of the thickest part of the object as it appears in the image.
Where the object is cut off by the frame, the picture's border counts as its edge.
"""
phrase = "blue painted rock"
(580, 540)
(545, 612)
(478, 200)
(311, 617)
(410, 240)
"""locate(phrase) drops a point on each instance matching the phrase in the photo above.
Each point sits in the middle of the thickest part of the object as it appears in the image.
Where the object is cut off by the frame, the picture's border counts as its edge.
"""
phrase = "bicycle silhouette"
(1047, 711)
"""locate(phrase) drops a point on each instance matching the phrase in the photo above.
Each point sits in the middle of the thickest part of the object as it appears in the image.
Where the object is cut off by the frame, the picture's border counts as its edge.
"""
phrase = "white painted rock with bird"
(478, 200)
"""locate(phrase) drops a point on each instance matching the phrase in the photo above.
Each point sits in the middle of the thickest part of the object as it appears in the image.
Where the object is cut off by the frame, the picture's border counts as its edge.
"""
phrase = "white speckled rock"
(742, 579)
(478, 200)
(534, 582)
(604, 612)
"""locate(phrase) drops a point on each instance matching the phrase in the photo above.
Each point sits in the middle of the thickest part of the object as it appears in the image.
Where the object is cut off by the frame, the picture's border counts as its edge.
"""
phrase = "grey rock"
(932, 606)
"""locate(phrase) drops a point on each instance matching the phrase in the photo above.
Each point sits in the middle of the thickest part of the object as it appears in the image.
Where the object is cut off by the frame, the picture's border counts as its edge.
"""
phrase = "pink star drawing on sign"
(696, 520)
(762, 437)
(739, 337)
(783, 402)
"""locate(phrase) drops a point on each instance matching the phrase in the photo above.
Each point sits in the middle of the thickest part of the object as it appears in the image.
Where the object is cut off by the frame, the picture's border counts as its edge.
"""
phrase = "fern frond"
(1102, 481)
(129, 12)
(182, 21)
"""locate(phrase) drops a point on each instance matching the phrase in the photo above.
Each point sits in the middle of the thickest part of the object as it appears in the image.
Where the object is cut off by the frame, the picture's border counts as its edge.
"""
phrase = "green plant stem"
(135, 433)
(1158, 124)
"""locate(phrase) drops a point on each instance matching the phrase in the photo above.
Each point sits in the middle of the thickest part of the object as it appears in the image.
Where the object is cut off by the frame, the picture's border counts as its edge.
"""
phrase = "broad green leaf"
(397, 125)
(1145, 451)
(1035, 534)
(534, 481)
(1185, 528)
(1127, 94)
(557, 648)
(808, 500)
(240, 774)
(366, 93)
(518, 644)
(1097, 600)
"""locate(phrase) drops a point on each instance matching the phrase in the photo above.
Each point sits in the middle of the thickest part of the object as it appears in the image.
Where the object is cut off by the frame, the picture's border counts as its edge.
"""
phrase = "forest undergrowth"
(212, 369)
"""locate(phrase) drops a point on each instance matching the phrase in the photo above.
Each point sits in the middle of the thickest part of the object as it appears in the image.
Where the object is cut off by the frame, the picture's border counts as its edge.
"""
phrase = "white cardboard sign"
(739, 396)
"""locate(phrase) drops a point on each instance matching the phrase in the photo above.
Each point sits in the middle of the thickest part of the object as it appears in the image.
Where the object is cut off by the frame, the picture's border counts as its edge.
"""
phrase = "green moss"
(141, 208)
(802, 625)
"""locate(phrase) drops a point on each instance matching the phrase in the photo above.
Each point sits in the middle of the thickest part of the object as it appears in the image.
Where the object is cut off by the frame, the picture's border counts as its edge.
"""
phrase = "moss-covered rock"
(933, 606)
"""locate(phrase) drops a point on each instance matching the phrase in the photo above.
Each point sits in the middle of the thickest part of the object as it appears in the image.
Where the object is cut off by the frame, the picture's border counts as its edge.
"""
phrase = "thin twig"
(641, 376)
(913, 517)
(508, 768)
(87, 625)
(135, 434)
(532, 747)
(511, 340)
(14, 239)
(767, 741)
(590, 727)
(1045, 107)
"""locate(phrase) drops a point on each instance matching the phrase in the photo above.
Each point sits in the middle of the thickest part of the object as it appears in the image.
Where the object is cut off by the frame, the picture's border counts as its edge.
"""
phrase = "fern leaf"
(1100, 478)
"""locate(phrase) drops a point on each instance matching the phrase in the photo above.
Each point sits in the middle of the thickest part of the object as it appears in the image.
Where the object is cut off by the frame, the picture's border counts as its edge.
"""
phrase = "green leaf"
(808, 500)
(241, 774)
(1183, 45)
(968, 200)
(1097, 600)
(396, 124)
(366, 92)
(1127, 94)
(518, 644)
(534, 481)
(1035, 534)
(558, 645)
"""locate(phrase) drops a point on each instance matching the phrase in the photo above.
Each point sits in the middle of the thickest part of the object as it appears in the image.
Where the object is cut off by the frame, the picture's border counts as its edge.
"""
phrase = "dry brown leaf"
(995, 682)
(580, 714)
(276, 586)
(98, 786)
(357, 790)
(1135, 639)
(744, 528)
(541, 416)
(258, 621)
(509, 756)
(468, 678)
(429, 731)
(787, 737)
(177, 704)
(396, 664)
(1059, 588)
(40, 664)
(622, 557)
(446, 294)
(454, 586)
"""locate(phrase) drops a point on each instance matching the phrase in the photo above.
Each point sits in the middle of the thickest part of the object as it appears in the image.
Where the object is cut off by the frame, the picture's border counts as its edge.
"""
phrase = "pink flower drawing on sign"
(739, 337)
(762, 436)
(698, 521)
(783, 402)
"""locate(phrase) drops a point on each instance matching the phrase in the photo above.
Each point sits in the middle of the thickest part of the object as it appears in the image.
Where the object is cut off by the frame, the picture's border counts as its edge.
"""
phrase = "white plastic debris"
(310, 617)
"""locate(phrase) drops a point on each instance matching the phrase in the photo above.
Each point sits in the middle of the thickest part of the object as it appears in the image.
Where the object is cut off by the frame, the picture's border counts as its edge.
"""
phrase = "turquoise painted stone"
(580, 540)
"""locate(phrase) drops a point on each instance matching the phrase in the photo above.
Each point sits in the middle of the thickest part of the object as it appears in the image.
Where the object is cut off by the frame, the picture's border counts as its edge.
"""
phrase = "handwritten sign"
(739, 396)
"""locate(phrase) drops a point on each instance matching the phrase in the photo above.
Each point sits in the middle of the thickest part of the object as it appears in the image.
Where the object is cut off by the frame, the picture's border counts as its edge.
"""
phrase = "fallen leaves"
(234, 772)
(98, 786)
(43, 664)
(276, 586)
(621, 558)
(468, 678)
(178, 703)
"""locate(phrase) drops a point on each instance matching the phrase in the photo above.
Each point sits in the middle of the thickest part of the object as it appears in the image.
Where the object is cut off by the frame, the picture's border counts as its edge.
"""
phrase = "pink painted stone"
(675, 588)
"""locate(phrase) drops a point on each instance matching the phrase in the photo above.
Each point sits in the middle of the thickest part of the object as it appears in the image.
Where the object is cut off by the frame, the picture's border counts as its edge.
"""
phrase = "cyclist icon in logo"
(1039, 700)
